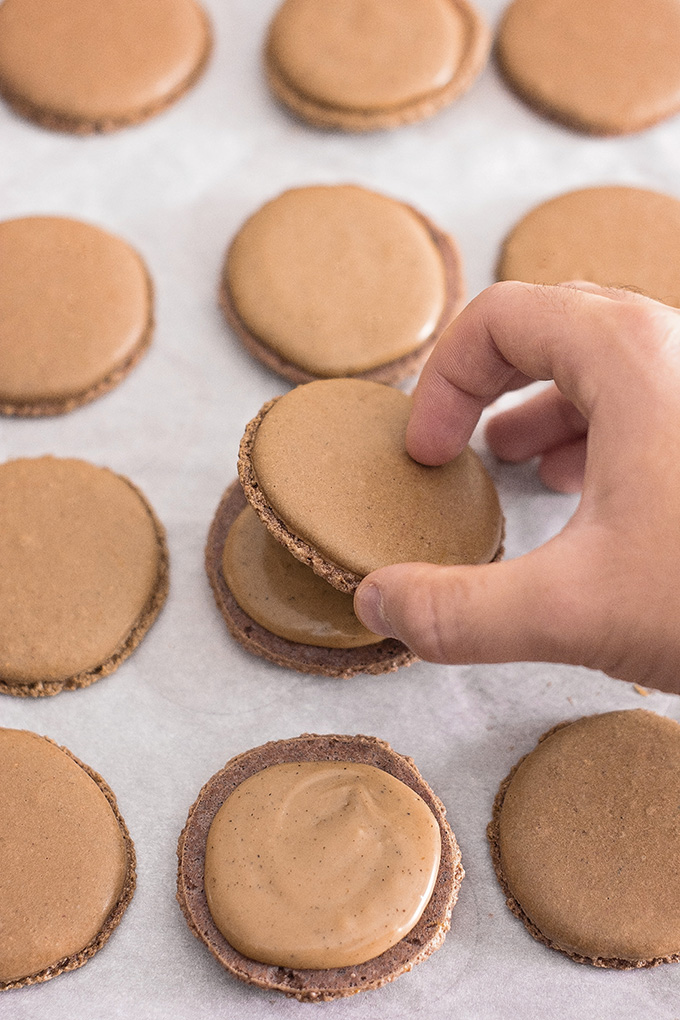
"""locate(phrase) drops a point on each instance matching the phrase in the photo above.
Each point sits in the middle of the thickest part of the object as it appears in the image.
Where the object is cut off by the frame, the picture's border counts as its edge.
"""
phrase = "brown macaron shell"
(41, 499)
(474, 50)
(391, 371)
(315, 985)
(375, 659)
(85, 66)
(76, 314)
(479, 516)
(77, 959)
(603, 68)
(614, 236)
(629, 753)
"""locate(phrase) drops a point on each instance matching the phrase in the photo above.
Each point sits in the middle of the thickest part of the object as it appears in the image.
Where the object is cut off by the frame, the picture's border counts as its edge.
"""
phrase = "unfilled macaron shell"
(84, 575)
(584, 838)
(76, 313)
(68, 863)
(97, 65)
(613, 236)
(338, 280)
(607, 68)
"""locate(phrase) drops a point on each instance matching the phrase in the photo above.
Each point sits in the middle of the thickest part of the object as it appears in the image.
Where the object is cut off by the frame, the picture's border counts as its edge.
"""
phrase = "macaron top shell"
(607, 68)
(329, 461)
(99, 63)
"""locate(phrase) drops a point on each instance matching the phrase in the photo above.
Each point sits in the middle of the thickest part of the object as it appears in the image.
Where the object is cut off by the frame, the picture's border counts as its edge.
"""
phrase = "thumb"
(515, 611)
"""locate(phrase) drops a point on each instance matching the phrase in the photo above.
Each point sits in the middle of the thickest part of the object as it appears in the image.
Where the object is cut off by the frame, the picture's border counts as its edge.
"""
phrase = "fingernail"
(368, 605)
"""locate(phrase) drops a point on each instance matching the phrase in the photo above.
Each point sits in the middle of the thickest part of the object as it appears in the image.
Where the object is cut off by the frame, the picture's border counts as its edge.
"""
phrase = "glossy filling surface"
(284, 595)
(320, 864)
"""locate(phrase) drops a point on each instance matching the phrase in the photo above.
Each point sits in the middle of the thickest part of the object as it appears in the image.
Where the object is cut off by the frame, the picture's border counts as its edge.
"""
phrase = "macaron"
(614, 236)
(337, 280)
(279, 609)
(326, 469)
(584, 838)
(603, 68)
(85, 66)
(76, 313)
(84, 573)
(302, 855)
(68, 863)
(365, 65)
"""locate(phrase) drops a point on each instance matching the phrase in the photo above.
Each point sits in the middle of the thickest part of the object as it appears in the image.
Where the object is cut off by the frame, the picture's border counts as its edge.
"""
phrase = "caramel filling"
(337, 280)
(320, 864)
(63, 856)
(354, 54)
(282, 594)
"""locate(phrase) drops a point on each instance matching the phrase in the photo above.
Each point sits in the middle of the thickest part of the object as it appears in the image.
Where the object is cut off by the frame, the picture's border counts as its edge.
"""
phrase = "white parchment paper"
(178, 187)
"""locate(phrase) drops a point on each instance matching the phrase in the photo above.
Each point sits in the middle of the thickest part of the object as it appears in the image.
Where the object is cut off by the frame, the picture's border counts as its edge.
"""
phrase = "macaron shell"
(375, 659)
(76, 313)
(340, 280)
(407, 70)
(613, 236)
(68, 861)
(96, 65)
(583, 839)
(327, 470)
(84, 573)
(604, 68)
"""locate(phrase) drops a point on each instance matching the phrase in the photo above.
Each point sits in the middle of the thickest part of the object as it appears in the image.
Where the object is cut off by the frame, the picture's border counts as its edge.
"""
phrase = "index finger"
(511, 334)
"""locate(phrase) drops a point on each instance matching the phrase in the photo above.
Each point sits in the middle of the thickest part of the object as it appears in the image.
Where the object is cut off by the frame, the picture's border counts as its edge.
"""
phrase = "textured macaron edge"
(493, 836)
(333, 983)
(555, 112)
(113, 920)
(376, 659)
(59, 120)
(153, 606)
(391, 372)
(48, 407)
(324, 115)
(341, 578)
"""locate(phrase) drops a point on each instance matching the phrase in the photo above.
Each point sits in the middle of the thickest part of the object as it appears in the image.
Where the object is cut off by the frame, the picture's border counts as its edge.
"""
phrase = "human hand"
(605, 591)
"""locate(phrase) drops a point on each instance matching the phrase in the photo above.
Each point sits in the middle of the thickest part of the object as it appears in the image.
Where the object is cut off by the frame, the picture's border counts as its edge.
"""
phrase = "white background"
(177, 188)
